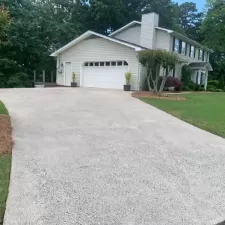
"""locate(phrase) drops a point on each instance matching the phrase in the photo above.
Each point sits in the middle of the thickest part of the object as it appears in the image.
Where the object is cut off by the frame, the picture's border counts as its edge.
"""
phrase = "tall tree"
(213, 31)
(190, 20)
(4, 24)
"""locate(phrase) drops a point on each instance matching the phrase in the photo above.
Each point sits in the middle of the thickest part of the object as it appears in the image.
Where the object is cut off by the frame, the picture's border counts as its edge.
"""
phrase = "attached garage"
(109, 74)
(98, 61)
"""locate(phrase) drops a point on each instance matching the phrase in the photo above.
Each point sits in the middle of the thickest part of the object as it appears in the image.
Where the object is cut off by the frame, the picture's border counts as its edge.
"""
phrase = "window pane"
(86, 64)
(91, 64)
(96, 64)
(120, 63)
(125, 63)
(183, 49)
(107, 63)
(192, 52)
(176, 45)
(102, 63)
(113, 63)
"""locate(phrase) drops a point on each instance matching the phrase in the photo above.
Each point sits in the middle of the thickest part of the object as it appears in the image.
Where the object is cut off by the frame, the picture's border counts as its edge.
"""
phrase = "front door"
(68, 74)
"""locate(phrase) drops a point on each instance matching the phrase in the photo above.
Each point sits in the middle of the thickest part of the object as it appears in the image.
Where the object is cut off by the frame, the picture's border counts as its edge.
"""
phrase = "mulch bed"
(167, 96)
(5, 135)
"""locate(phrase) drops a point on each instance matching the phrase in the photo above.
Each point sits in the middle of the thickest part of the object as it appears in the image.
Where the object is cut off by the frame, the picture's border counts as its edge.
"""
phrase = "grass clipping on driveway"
(204, 110)
(5, 157)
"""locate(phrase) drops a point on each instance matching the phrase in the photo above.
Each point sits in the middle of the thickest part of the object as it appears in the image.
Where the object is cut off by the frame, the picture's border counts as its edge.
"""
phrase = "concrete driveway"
(89, 156)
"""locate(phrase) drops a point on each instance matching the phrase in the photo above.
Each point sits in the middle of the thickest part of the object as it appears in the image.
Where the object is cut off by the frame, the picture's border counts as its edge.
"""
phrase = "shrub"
(192, 86)
(3, 80)
(73, 77)
(186, 75)
(219, 90)
(213, 82)
(19, 80)
(202, 89)
(128, 77)
(221, 83)
(14, 82)
(173, 82)
(211, 87)
(197, 87)
(186, 88)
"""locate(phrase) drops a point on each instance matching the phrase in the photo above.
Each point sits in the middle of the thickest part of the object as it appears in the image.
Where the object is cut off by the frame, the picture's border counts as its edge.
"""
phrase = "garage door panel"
(104, 76)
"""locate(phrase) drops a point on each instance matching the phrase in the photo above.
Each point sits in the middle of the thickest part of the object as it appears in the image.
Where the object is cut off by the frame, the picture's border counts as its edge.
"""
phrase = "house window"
(102, 63)
(183, 48)
(113, 63)
(192, 51)
(125, 63)
(86, 64)
(120, 63)
(91, 64)
(107, 63)
(176, 47)
(96, 64)
(200, 54)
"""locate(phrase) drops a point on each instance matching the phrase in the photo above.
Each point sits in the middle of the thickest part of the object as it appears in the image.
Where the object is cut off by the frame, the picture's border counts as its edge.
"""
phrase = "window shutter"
(180, 46)
(190, 51)
(174, 39)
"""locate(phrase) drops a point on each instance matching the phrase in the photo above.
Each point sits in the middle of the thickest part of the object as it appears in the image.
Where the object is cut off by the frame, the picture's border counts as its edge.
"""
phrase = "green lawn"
(3, 109)
(204, 110)
(5, 166)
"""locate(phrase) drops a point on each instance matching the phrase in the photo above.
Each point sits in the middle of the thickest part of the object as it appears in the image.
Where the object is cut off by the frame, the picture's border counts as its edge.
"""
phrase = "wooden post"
(35, 76)
(43, 76)
(52, 76)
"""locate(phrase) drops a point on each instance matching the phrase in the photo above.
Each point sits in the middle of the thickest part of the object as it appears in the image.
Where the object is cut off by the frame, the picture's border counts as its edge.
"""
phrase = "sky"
(200, 3)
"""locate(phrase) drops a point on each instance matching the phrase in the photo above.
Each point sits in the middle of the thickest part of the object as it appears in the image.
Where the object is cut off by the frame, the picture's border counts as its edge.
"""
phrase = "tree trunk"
(148, 81)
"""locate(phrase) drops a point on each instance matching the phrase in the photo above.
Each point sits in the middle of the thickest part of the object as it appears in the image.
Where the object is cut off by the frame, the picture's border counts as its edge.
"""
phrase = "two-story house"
(101, 61)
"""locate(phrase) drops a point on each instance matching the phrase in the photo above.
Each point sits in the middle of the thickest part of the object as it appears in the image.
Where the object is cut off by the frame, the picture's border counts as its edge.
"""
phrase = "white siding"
(131, 35)
(162, 40)
(95, 50)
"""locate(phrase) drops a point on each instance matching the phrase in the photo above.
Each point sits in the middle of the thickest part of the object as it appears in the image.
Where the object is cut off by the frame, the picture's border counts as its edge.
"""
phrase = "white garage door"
(105, 74)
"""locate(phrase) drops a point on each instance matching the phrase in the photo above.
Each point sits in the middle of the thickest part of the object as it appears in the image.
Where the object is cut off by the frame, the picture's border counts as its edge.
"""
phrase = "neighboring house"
(101, 61)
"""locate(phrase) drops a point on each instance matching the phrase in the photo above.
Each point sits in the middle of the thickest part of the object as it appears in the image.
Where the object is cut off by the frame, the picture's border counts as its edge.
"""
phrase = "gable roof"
(90, 33)
(125, 27)
(201, 65)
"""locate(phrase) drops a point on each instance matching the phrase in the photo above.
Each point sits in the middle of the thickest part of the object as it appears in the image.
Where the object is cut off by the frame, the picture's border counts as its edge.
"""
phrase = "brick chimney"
(148, 31)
